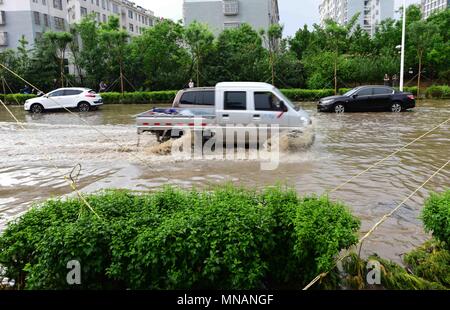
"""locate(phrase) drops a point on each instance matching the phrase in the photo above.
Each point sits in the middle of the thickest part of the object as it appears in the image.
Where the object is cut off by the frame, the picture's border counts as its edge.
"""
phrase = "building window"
(104, 18)
(3, 38)
(46, 20)
(83, 11)
(115, 8)
(57, 4)
(2, 18)
(131, 28)
(130, 14)
(37, 18)
(59, 23)
(231, 25)
(231, 7)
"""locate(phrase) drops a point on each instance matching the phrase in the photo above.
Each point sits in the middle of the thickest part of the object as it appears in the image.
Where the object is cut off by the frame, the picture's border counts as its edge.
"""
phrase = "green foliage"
(438, 92)
(226, 238)
(431, 262)
(17, 98)
(167, 55)
(393, 276)
(436, 216)
(295, 94)
(139, 97)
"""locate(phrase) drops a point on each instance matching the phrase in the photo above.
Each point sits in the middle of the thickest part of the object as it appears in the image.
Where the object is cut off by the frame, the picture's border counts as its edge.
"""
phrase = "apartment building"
(431, 6)
(31, 18)
(132, 18)
(224, 14)
(371, 12)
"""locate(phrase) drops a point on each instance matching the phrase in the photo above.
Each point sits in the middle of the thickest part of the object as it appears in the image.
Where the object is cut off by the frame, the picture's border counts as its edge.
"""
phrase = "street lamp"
(402, 65)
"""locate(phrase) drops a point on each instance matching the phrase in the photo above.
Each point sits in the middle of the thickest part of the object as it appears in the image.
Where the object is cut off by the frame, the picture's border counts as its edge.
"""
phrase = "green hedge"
(140, 97)
(438, 92)
(16, 98)
(434, 92)
(226, 238)
(436, 216)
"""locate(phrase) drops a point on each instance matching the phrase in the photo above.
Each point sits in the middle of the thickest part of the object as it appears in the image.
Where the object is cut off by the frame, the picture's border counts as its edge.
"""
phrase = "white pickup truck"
(230, 103)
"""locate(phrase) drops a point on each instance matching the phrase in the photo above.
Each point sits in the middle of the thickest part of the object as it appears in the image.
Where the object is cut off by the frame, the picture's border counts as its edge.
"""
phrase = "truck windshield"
(284, 98)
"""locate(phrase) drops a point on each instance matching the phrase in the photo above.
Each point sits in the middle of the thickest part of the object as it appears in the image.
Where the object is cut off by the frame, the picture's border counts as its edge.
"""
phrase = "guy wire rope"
(372, 230)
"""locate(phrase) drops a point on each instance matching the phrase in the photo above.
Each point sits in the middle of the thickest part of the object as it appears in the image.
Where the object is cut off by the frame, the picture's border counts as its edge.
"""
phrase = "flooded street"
(33, 162)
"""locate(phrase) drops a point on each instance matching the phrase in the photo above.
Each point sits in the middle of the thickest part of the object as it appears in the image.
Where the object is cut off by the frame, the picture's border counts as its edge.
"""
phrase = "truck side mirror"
(284, 108)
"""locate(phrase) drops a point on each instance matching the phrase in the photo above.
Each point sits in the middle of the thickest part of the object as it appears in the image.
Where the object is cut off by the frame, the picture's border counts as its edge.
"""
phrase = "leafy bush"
(431, 262)
(307, 94)
(436, 216)
(393, 276)
(227, 238)
(17, 98)
(438, 92)
(295, 94)
(139, 97)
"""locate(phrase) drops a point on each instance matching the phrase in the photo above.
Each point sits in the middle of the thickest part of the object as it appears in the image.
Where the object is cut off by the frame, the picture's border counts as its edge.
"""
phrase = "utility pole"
(402, 65)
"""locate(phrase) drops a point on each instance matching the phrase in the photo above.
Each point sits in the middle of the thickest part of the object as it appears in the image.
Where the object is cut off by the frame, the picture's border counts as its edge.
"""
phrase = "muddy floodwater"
(32, 163)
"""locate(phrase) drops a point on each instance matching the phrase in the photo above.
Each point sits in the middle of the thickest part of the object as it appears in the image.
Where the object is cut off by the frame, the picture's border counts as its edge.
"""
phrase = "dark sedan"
(368, 99)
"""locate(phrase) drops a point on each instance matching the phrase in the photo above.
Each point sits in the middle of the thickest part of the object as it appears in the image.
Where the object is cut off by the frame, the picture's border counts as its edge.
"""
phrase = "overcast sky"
(294, 13)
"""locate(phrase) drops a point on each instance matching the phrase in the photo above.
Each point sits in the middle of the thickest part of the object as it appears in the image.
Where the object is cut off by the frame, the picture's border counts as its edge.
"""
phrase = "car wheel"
(36, 108)
(339, 108)
(84, 107)
(396, 107)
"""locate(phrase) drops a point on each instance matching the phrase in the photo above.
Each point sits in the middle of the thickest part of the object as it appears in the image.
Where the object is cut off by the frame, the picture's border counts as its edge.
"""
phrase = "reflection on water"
(345, 145)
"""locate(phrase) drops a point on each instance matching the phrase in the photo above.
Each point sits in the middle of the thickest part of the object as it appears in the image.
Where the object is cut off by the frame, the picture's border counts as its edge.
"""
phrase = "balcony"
(230, 7)
(2, 18)
(3, 39)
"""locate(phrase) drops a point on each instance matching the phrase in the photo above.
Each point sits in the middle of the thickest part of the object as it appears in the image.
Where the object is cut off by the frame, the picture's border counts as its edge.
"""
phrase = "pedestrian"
(386, 80)
(102, 87)
(26, 90)
(191, 84)
(395, 81)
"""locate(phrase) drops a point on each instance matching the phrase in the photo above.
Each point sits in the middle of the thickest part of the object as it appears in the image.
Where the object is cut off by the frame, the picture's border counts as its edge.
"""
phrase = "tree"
(164, 60)
(199, 39)
(114, 40)
(272, 39)
(44, 64)
(61, 40)
(240, 55)
(91, 56)
(336, 40)
(301, 42)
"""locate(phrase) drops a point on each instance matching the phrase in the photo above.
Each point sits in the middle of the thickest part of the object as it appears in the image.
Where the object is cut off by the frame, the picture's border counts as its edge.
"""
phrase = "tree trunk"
(272, 67)
(198, 70)
(419, 75)
(122, 86)
(335, 77)
(62, 68)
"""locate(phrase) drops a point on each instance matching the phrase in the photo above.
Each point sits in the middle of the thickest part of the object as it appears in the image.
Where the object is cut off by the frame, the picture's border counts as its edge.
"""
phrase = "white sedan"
(83, 99)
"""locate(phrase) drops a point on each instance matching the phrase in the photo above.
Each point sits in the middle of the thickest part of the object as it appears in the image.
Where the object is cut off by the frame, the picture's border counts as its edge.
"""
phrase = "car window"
(235, 100)
(57, 93)
(207, 98)
(188, 98)
(72, 92)
(266, 101)
(365, 92)
(382, 91)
